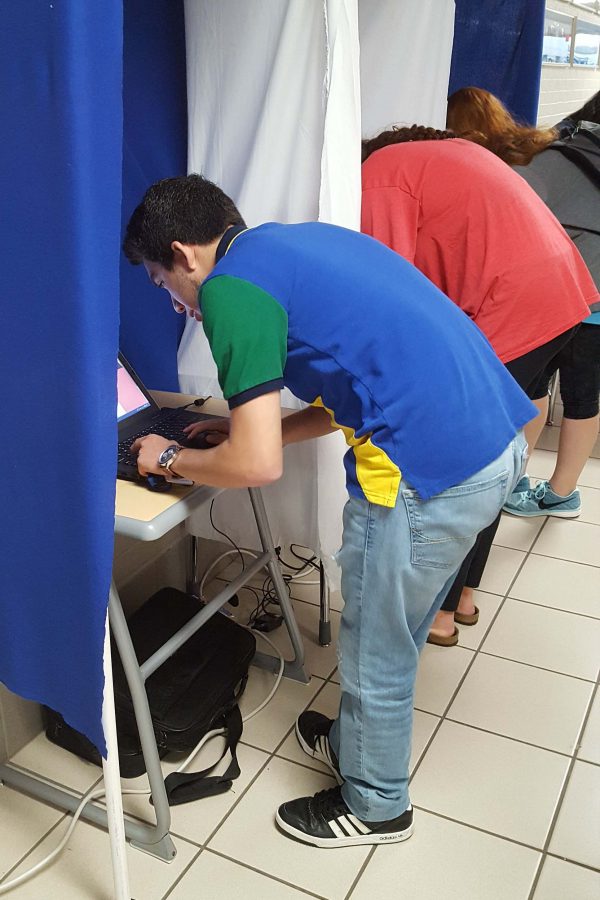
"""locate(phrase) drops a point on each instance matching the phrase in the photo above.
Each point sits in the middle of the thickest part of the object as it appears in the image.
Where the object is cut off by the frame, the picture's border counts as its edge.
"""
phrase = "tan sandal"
(467, 618)
(443, 640)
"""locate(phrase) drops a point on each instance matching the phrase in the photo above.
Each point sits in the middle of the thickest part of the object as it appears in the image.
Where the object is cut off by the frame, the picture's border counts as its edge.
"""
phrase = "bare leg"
(443, 624)
(466, 604)
(577, 438)
(534, 428)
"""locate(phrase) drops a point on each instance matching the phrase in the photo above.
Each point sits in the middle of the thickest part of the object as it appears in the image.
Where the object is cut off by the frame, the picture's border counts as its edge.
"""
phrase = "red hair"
(478, 116)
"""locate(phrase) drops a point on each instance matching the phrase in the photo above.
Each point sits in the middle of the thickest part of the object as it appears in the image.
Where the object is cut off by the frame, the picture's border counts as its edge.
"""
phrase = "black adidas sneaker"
(312, 731)
(325, 821)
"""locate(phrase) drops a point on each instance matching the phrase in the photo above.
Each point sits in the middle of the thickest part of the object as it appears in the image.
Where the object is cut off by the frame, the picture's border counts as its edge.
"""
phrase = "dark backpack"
(582, 148)
(194, 691)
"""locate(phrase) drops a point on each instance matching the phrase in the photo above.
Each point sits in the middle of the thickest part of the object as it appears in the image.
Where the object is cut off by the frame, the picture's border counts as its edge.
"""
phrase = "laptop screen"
(130, 399)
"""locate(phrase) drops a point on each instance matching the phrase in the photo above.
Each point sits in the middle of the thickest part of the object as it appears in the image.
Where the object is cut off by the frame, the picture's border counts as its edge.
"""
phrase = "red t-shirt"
(482, 235)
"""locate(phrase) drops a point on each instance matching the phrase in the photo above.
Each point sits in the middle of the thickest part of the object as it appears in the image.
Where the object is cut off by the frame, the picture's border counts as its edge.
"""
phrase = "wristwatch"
(168, 456)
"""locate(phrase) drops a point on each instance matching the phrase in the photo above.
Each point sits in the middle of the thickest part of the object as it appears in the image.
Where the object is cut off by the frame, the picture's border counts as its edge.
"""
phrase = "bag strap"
(183, 787)
(581, 228)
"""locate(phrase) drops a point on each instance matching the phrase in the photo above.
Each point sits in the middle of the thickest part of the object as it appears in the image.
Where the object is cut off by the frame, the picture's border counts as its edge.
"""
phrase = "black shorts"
(578, 364)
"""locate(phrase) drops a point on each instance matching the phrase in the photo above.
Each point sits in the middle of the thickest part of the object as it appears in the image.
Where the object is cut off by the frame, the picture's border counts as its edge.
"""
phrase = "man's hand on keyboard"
(217, 431)
(148, 449)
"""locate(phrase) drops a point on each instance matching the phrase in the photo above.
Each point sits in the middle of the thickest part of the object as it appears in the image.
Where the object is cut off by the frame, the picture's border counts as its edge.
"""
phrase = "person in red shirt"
(483, 236)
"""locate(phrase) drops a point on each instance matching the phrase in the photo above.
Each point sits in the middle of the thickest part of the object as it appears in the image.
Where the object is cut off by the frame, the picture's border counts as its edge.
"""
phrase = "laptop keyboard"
(169, 427)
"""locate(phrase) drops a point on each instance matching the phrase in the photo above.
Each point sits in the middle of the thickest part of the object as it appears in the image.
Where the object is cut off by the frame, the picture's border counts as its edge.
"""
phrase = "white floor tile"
(43, 758)
(577, 831)
(471, 636)
(491, 782)
(590, 744)
(327, 874)
(522, 702)
(590, 505)
(561, 880)
(271, 725)
(501, 568)
(440, 670)
(84, 869)
(517, 533)
(196, 821)
(214, 878)
(23, 821)
(590, 477)
(570, 539)
(445, 859)
(560, 584)
(555, 640)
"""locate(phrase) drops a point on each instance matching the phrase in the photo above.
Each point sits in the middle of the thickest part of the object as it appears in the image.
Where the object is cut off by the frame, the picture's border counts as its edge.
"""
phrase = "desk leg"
(158, 842)
(324, 610)
(192, 584)
(112, 781)
(293, 668)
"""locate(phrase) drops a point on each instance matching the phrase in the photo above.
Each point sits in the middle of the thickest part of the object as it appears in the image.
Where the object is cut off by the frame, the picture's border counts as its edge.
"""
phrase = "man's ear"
(184, 255)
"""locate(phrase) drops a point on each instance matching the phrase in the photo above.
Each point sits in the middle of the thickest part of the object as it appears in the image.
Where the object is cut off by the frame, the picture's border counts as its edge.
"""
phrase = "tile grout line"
(570, 612)
(575, 562)
(232, 859)
(562, 793)
(541, 668)
(360, 872)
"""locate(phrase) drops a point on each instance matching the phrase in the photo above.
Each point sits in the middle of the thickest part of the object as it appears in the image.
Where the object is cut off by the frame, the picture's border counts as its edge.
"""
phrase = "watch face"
(167, 454)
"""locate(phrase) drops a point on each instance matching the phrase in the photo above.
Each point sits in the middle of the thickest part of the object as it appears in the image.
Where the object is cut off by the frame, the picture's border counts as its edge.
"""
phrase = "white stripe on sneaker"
(360, 826)
(336, 829)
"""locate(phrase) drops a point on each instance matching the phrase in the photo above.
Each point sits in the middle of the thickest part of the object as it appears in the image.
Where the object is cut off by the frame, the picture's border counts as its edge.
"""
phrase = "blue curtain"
(154, 147)
(61, 163)
(498, 46)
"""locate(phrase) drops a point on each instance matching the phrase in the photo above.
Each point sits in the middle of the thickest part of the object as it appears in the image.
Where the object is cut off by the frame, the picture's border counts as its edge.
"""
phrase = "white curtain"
(274, 107)
(405, 52)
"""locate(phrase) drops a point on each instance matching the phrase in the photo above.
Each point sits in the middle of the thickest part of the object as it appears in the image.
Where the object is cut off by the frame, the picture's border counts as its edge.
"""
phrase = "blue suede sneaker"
(542, 501)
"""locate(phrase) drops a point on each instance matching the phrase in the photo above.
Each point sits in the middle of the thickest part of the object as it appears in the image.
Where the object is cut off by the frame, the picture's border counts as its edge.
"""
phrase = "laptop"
(138, 414)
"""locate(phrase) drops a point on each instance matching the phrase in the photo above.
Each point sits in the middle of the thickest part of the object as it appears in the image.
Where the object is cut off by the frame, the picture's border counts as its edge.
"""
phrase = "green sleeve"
(247, 332)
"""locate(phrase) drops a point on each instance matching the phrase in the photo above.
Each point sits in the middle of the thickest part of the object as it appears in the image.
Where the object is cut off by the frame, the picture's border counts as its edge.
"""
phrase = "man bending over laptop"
(433, 425)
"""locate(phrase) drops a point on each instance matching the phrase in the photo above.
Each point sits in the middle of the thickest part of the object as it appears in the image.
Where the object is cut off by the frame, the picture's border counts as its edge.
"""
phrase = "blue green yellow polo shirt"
(347, 324)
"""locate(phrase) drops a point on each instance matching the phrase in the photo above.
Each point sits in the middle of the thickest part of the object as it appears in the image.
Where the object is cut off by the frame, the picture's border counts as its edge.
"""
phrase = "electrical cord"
(199, 401)
(96, 794)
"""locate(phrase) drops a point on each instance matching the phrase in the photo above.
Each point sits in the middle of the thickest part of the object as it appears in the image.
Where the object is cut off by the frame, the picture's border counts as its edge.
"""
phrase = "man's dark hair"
(189, 209)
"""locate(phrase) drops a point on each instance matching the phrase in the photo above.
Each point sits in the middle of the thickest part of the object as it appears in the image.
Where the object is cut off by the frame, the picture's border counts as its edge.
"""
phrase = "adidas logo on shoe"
(326, 821)
(312, 731)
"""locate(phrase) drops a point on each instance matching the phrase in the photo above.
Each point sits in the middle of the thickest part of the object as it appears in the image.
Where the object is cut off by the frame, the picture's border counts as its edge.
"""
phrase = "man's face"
(181, 285)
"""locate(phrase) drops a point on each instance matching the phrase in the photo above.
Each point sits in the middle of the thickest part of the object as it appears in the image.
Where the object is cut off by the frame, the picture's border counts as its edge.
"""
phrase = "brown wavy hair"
(478, 116)
(401, 135)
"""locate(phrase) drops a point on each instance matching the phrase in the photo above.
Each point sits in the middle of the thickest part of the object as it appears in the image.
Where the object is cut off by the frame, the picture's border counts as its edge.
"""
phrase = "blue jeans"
(397, 566)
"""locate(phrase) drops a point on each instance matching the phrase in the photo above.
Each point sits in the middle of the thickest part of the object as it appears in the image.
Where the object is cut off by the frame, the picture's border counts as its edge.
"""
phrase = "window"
(587, 44)
(591, 5)
(558, 29)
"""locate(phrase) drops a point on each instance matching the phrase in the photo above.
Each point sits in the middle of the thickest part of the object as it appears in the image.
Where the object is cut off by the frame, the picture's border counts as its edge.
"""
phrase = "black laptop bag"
(193, 692)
